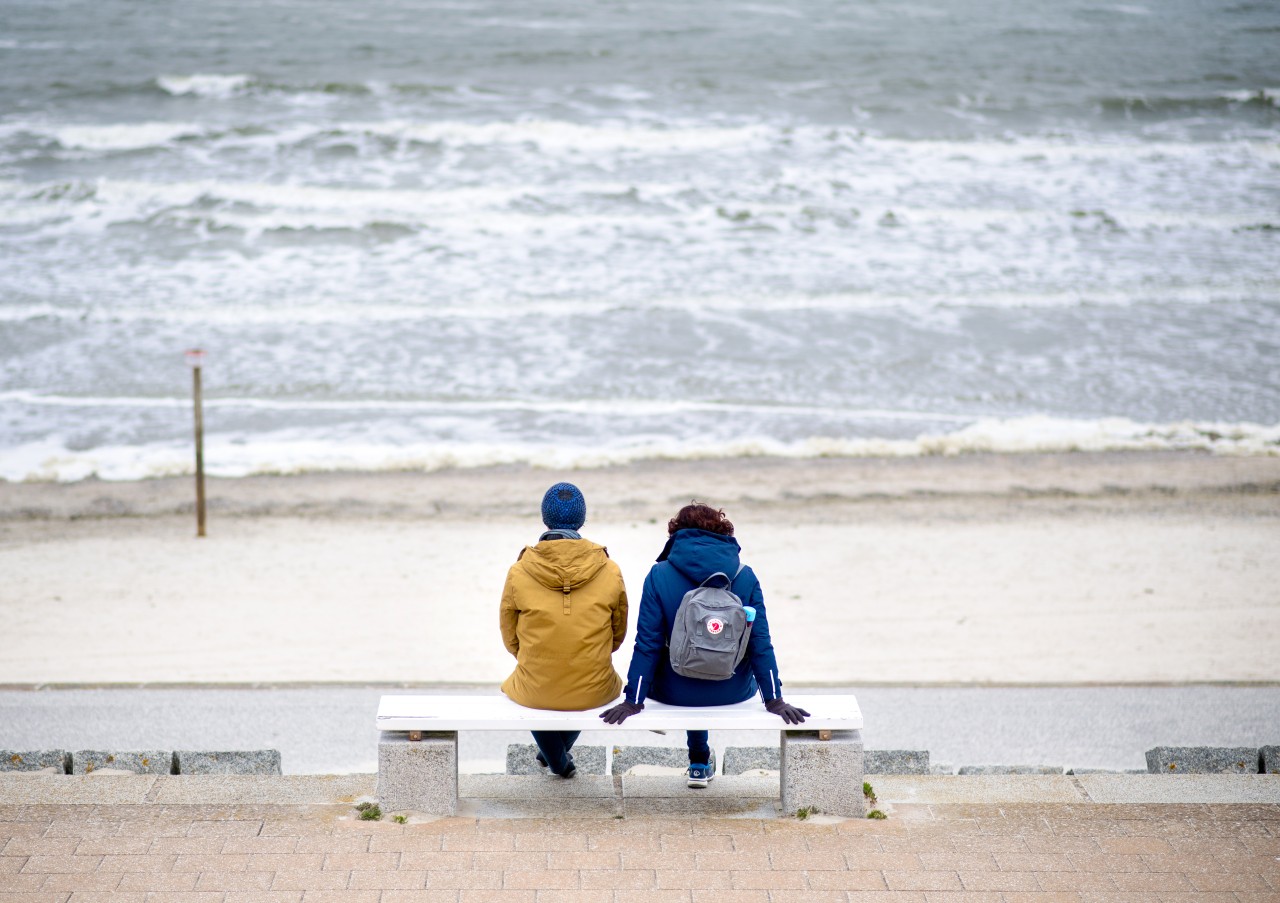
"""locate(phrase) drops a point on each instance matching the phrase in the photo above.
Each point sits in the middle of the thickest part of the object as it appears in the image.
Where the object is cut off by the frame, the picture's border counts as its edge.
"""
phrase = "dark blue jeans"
(699, 748)
(555, 746)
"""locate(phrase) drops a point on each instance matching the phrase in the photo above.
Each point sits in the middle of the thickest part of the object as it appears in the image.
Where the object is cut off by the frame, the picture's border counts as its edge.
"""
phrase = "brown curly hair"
(701, 517)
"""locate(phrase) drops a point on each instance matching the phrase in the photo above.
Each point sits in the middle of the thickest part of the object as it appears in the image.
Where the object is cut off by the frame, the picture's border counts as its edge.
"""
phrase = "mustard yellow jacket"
(563, 613)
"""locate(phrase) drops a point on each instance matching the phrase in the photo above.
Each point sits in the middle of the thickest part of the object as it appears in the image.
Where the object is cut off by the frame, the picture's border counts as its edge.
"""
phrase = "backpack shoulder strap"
(728, 581)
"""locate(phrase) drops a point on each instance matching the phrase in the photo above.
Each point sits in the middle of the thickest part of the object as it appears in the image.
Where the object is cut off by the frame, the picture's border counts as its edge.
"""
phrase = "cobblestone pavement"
(923, 854)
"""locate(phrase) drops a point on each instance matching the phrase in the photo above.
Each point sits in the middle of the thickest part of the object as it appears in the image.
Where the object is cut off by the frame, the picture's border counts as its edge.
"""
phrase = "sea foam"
(204, 85)
(239, 456)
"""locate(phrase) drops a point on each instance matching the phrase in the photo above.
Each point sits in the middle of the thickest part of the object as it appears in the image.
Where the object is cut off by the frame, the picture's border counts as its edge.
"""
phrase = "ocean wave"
(713, 306)
(578, 308)
(544, 134)
(202, 85)
(563, 135)
(588, 407)
(808, 203)
(51, 460)
(1157, 105)
(123, 137)
(1269, 97)
(674, 135)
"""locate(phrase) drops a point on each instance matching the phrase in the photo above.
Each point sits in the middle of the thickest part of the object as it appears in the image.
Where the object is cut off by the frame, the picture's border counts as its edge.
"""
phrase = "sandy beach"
(1019, 569)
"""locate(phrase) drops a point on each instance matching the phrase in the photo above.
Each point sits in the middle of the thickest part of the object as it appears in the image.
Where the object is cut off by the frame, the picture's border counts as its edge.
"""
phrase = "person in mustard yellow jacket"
(563, 614)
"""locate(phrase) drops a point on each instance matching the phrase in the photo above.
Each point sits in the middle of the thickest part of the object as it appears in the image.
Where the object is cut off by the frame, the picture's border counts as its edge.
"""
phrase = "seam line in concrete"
(1084, 794)
(154, 793)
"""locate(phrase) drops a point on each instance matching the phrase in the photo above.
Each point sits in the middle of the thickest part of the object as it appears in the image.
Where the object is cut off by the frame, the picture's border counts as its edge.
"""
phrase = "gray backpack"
(710, 634)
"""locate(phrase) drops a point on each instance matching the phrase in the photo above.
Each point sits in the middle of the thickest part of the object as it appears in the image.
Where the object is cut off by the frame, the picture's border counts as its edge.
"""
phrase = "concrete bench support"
(421, 775)
(825, 775)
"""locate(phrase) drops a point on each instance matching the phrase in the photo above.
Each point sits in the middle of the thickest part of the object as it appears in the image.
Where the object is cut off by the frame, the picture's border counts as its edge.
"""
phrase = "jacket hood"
(697, 554)
(558, 563)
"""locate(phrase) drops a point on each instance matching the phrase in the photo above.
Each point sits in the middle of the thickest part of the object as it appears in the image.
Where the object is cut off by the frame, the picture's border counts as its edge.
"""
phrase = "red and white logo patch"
(714, 626)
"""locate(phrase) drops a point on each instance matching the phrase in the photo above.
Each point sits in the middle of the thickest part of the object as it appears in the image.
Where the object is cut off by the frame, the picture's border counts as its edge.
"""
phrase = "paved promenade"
(976, 852)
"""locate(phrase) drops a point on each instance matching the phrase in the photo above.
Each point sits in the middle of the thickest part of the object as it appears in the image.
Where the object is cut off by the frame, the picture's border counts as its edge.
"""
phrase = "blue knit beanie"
(563, 507)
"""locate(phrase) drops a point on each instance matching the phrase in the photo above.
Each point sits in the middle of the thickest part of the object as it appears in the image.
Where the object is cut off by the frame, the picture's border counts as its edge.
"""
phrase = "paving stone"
(741, 759)
(100, 761)
(1202, 760)
(49, 761)
(521, 759)
(1270, 756)
(626, 758)
(1010, 769)
(984, 852)
(1106, 771)
(896, 761)
(242, 761)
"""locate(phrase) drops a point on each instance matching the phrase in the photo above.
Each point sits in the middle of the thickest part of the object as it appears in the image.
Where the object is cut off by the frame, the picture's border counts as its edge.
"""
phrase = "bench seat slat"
(468, 713)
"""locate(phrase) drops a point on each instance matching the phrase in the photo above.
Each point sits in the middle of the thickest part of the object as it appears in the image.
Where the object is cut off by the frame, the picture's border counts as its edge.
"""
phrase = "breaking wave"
(241, 456)
(202, 85)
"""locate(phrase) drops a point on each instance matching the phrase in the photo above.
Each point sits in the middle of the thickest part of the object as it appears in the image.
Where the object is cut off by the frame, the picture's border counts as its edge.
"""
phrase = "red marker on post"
(195, 360)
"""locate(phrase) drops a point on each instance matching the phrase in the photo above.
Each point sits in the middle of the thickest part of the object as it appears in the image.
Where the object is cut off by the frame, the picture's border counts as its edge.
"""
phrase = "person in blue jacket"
(700, 544)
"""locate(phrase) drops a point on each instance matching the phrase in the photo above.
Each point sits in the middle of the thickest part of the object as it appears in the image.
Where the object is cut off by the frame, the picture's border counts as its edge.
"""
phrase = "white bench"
(418, 744)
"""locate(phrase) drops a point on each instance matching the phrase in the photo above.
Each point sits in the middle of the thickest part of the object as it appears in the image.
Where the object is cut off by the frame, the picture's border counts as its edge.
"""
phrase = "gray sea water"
(426, 233)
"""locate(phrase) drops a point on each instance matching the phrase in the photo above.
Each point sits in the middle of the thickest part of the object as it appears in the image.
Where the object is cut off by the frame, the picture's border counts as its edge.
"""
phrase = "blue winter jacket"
(690, 557)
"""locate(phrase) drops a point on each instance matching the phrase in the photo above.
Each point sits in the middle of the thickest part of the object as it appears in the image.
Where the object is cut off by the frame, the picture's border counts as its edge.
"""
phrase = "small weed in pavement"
(399, 819)
(876, 814)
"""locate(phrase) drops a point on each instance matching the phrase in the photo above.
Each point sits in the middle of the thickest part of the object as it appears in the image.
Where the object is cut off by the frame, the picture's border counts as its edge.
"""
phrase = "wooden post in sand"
(195, 359)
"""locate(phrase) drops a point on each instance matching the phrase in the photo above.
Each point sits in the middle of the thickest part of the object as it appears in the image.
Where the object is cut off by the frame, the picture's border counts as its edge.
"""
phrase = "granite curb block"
(293, 790)
(626, 758)
(1270, 756)
(1009, 769)
(1203, 760)
(147, 761)
(498, 796)
(521, 760)
(1009, 788)
(59, 789)
(742, 787)
(741, 759)
(895, 761)
(243, 761)
(47, 761)
(1181, 789)
(545, 786)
